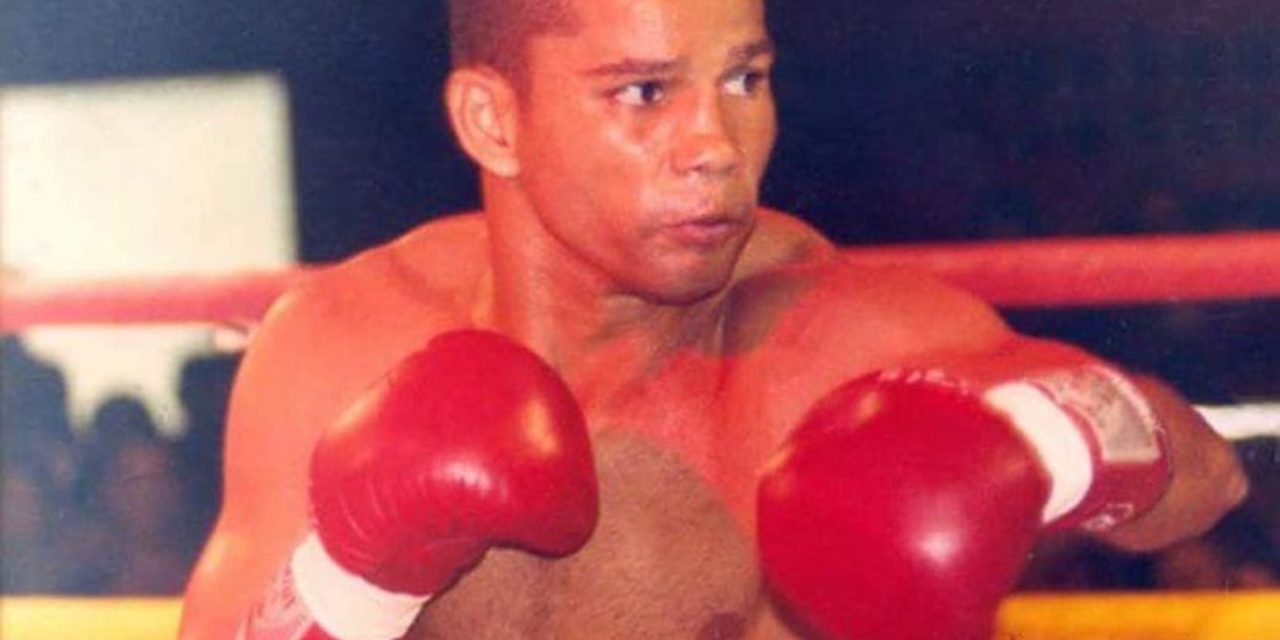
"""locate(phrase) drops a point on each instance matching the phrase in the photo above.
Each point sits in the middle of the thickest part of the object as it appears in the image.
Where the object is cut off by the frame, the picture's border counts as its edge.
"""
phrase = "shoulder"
(333, 334)
(888, 313)
(432, 265)
(423, 276)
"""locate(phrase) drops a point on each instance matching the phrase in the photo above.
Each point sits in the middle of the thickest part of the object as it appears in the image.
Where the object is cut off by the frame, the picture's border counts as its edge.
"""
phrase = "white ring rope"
(1243, 421)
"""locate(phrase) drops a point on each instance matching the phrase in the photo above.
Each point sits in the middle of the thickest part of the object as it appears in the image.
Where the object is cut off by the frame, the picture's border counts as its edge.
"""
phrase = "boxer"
(549, 419)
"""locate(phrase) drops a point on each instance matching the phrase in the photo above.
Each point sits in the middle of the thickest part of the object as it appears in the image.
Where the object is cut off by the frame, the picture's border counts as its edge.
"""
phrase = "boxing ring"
(1024, 274)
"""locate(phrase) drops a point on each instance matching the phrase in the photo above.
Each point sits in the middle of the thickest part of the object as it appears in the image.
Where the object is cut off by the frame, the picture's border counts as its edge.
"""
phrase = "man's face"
(643, 138)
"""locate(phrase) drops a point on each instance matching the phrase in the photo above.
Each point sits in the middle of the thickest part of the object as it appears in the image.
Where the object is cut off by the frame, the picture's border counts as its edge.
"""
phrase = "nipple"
(724, 626)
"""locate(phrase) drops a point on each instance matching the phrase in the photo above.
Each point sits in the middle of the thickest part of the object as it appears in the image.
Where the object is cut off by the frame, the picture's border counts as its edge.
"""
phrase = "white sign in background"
(141, 178)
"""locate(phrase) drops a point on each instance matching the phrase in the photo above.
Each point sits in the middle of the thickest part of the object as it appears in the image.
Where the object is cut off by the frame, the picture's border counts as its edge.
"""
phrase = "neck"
(574, 316)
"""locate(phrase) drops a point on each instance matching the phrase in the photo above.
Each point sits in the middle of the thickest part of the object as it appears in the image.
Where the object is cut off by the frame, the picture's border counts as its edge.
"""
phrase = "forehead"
(655, 29)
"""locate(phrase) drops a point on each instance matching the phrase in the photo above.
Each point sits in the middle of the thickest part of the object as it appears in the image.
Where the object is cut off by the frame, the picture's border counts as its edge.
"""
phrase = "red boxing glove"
(471, 443)
(905, 504)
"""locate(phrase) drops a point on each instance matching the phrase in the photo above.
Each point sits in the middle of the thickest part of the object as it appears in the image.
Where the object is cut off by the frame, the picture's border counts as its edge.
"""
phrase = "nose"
(707, 144)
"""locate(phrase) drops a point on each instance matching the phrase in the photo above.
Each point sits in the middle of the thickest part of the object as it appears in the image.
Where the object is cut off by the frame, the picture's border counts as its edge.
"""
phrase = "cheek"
(621, 160)
(587, 144)
(580, 179)
(632, 144)
(759, 131)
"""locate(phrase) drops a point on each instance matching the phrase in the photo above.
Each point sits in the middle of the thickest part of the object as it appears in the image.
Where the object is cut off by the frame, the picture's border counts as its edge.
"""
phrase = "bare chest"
(668, 560)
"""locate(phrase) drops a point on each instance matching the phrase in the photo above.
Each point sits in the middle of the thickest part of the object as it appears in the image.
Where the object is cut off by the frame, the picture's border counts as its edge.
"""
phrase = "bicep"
(272, 424)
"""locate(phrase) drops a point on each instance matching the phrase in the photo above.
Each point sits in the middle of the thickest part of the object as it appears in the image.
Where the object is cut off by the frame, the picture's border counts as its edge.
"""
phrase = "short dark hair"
(496, 32)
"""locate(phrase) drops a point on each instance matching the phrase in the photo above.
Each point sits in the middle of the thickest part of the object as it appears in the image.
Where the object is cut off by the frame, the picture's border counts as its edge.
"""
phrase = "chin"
(688, 288)
(689, 277)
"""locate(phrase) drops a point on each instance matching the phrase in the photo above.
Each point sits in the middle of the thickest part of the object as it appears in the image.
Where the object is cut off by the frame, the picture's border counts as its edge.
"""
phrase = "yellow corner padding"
(41, 618)
(1239, 615)
(1244, 615)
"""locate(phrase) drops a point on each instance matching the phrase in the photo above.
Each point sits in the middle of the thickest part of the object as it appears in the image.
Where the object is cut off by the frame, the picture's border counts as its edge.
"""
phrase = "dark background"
(902, 120)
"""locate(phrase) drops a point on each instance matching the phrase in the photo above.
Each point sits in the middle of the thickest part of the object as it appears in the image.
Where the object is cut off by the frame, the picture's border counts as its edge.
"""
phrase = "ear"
(482, 110)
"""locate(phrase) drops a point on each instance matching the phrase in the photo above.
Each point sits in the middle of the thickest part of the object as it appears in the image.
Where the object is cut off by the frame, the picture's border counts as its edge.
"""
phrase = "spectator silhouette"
(40, 466)
(205, 389)
(133, 482)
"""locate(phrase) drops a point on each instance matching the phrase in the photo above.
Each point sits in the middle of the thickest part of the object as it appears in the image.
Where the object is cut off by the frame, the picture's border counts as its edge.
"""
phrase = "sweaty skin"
(621, 240)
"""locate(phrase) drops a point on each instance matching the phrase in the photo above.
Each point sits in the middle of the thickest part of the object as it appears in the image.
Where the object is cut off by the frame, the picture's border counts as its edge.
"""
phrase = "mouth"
(712, 226)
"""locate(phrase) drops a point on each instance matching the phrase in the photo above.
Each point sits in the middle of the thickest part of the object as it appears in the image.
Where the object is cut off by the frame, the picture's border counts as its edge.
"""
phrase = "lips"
(707, 232)
(710, 226)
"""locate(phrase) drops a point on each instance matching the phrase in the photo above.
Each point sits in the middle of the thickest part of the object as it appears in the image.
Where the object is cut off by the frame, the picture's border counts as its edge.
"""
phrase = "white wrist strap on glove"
(1056, 439)
(347, 606)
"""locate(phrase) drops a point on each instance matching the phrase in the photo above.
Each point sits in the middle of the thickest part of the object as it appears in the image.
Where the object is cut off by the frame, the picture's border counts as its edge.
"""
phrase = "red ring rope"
(234, 299)
(1098, 271)
(1055, 272)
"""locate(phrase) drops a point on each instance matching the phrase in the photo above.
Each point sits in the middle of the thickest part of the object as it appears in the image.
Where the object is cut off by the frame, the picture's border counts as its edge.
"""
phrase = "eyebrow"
(637, 67)
(738, 56)
(745, 53)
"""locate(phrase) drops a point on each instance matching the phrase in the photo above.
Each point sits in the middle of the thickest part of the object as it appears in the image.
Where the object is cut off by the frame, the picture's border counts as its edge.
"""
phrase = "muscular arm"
(859, 321)
(347, 430)
(1206, 479)
(317, 349)
(271, 429)
(963, 442)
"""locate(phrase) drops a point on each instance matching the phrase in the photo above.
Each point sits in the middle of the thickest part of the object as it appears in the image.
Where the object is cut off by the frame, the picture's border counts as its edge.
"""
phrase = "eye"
(641, 94)
(745, 83)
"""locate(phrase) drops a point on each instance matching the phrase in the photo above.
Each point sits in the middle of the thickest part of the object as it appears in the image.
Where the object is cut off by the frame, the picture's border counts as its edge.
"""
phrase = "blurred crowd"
(111, 509)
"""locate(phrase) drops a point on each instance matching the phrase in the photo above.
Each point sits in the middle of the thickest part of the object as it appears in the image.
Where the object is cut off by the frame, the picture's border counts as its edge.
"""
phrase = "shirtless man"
(620, 144)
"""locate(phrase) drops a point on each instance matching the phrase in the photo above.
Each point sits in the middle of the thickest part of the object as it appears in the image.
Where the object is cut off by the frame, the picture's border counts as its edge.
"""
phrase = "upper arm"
(319, 347)
(818, 328)
(275, 415)
(949, 328)
(1206, 480)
